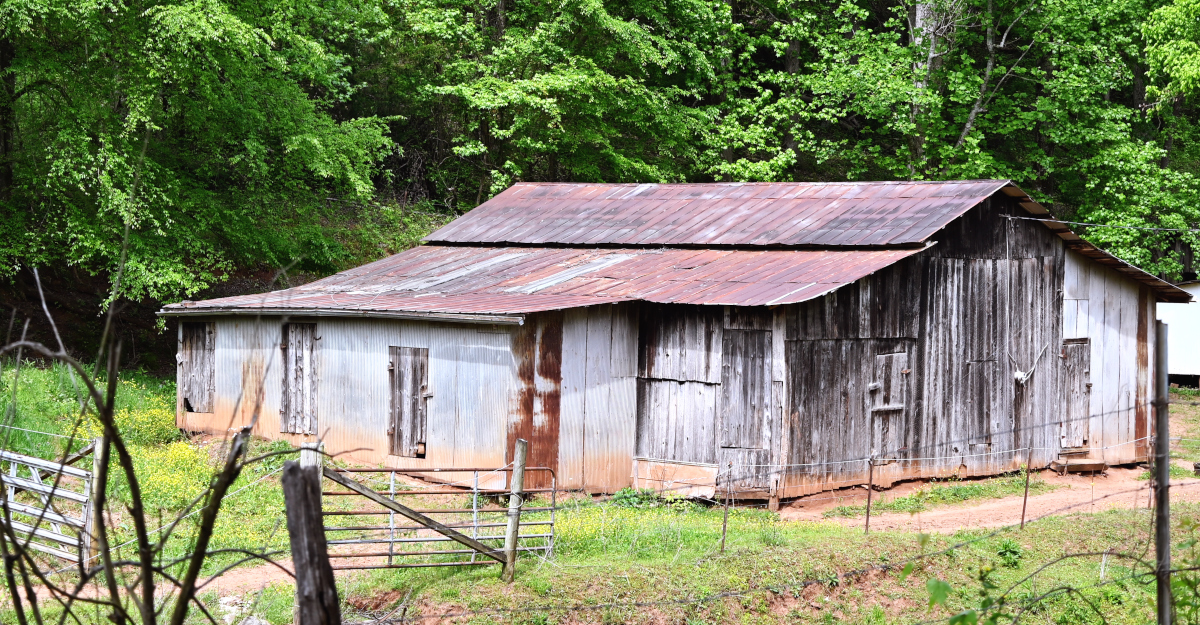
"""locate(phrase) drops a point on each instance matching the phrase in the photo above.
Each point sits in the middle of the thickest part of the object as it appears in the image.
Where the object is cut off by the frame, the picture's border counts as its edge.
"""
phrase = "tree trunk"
(792, 66)
(8, 90)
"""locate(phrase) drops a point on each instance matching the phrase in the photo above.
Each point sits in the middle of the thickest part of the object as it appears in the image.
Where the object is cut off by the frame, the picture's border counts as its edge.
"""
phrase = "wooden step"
(1079, 465)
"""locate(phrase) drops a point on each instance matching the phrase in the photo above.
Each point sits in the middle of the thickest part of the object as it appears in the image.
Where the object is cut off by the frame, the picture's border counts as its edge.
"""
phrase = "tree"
(203, 127)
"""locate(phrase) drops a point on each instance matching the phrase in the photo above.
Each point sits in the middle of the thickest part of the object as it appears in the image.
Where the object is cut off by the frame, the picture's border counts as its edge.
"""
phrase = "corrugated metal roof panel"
(434, 279)
(729, 214)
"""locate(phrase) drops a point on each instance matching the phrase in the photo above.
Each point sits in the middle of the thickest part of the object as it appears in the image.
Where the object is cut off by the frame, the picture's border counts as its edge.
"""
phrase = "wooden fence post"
(1162, 478)
(516, 494)
(316, 591)
(870, 490)
(725, 515)
(1028, 469)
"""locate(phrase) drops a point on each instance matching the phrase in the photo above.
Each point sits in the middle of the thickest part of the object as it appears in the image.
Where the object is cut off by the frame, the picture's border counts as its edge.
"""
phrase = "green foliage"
(949, 492)
(635, 498)
(203, 127)
(229, 135)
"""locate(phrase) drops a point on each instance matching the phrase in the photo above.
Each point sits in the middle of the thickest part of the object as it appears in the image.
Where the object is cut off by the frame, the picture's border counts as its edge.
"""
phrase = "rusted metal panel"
(736, 214)
(444, 279)
(538, 348)
(574, 405)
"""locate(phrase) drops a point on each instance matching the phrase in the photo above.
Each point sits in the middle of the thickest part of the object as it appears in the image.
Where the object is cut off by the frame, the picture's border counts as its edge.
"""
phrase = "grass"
(1177, 473)
(1185, 425)
(949, 492)
(652, 564)
(171, 470)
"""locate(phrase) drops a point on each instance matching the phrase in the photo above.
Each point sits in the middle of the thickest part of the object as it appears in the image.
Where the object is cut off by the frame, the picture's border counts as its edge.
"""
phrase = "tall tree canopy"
(217, 131)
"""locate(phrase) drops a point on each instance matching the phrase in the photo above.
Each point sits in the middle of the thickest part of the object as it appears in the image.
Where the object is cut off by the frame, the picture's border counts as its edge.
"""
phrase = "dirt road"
(1116, 488)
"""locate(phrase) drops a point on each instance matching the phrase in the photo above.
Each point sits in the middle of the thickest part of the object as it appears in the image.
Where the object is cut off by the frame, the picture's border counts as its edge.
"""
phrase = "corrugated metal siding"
(471, 374)
(598, 410)
(986, 306)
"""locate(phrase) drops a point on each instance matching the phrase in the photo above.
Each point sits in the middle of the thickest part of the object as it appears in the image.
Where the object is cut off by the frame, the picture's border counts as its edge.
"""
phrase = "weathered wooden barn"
(771, 338)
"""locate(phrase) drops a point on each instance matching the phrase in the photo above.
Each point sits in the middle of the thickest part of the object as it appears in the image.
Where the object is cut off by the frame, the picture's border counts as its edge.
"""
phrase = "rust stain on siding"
(537, 348)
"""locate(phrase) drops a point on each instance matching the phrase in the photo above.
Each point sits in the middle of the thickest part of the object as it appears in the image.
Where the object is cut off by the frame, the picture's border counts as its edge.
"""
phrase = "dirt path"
(1116, 488)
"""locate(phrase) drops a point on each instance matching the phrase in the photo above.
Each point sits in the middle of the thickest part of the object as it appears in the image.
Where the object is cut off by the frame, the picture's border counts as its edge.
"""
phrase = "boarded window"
(1077, 389)
(409, 375)
(298, 406)
(197, 352)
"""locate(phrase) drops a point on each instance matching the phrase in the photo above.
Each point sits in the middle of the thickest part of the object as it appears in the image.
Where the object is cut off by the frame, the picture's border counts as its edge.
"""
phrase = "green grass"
(666, 558)
(1176, 472)
(171, 470)
(948, 492)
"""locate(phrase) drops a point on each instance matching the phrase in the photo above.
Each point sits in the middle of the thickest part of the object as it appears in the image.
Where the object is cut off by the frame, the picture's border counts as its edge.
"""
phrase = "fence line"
(774, 589)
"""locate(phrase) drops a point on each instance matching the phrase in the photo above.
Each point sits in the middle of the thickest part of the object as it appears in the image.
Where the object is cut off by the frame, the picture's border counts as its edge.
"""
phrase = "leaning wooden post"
(1028, 468)
(316, 591)
(870, 491)
(515, 502)
(1162, 474)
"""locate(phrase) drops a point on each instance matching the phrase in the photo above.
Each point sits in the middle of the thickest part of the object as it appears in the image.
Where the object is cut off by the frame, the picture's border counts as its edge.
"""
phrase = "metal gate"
(363, 532)
(48, 504)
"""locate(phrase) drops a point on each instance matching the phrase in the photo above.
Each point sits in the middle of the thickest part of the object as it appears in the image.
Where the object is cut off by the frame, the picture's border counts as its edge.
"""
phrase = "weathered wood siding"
(1117, 318)
(915, 365)
(197, 356)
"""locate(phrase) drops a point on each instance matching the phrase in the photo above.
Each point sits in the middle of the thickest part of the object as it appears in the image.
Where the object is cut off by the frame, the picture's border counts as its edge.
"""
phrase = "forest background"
(224, 140)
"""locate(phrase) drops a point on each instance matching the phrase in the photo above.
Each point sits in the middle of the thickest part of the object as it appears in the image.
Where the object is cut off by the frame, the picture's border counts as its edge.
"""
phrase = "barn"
(774, 338)
(1183, 341)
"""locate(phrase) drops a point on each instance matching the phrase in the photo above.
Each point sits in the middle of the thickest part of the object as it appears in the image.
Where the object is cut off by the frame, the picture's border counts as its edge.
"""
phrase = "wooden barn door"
(889, 394)
(745, 400)
(298, 406)
(408, 371)
(1077, 392)
(197, 352)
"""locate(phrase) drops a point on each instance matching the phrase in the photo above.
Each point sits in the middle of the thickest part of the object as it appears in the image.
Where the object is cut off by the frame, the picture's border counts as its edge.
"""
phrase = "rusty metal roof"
(436, 279)
(777, 214)
(541, 247)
